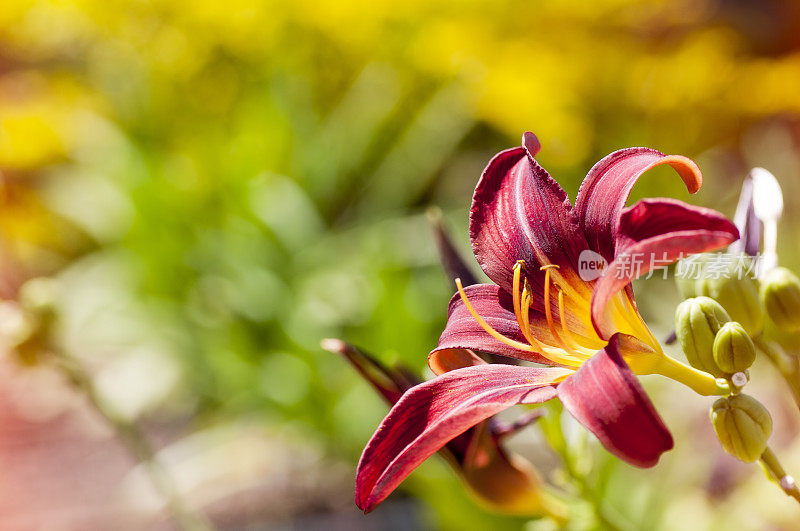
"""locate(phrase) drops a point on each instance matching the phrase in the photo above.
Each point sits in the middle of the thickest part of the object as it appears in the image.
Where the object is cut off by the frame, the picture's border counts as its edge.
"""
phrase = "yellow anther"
(486, 326)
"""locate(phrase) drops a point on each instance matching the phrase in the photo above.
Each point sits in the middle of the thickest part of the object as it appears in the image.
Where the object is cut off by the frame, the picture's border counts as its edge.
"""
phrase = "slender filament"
(555, 355)
(562, 315)
(486, 326)
(548, 313)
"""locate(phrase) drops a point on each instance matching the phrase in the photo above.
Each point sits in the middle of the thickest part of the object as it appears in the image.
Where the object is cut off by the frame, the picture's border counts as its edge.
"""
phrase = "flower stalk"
(776, 470)
(700, 382)
(787, 366)
(36, 343)
(136, 443)
(553, 431)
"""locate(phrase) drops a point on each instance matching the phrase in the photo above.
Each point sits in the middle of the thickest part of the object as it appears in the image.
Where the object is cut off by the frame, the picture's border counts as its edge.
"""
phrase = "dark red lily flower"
(530, 241)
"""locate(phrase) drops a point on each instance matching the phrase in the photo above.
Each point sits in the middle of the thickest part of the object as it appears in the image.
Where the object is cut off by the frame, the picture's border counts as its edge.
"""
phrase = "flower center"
(561, 348)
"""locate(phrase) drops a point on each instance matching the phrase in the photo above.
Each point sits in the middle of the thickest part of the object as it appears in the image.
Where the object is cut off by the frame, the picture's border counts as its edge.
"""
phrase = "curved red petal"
(654, 233)
(605, 191)
(520, 213)
(653, 217)
(605, 396)
(431, 414)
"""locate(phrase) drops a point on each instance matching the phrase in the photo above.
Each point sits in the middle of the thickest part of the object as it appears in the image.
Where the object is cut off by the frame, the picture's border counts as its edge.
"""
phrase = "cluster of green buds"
(732, 303)
(715, 344)
(712, 341)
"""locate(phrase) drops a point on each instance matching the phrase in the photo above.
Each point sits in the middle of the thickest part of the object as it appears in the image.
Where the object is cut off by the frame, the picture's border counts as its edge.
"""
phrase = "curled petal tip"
(687, 169)
(531, 143)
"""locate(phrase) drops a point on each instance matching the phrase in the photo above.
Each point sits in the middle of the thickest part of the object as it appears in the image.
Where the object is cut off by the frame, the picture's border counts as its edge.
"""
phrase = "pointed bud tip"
(331, 344)
(531, 143)
(434, 214)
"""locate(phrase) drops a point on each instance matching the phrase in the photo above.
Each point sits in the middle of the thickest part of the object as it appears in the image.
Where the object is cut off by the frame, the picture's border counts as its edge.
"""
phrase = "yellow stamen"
(555, 355)
(548, 312)
(516, 296)
(486, 326)
(524, 318)
(552, 354)
(563, 316)
(522, 304)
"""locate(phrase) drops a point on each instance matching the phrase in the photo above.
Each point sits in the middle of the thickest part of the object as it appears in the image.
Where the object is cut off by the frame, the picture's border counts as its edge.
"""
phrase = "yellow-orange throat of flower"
(564, 346)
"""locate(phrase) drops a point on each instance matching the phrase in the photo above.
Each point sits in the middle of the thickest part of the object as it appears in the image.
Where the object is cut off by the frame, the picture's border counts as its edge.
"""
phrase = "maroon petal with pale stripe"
(432, 413)
(605, 396)
(608, 184)
(654, 233)
(520, 213)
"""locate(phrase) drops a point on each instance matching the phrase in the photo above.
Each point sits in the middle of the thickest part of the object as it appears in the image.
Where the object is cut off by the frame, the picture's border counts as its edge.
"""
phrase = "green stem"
(136, 443)
(700, 382)
(787, 483)
(787, 366)
(554, 434)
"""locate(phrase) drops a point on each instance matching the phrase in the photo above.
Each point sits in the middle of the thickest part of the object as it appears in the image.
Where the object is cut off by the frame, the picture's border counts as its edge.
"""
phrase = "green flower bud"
(697, 322)
(733, 349)
(743, 426)
(780, 292)
(729, 281)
